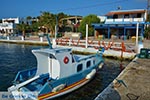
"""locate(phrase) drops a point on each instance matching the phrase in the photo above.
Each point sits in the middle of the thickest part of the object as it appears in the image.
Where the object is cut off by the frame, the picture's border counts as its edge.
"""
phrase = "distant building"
(102, 18)
(121, 24)
(11, 20)
(71, 23)
(8, 25)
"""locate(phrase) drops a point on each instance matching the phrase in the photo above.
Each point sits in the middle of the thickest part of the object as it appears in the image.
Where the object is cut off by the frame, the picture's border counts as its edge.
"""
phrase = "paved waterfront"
(32, 42)
(132, 84)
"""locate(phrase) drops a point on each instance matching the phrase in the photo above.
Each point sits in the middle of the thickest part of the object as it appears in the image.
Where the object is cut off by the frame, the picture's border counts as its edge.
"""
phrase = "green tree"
(23, 28)
(35, 27)
(34, 24)
(88, 20)
(28, 18)
(61, 16)
(47, 21)
(147, 32)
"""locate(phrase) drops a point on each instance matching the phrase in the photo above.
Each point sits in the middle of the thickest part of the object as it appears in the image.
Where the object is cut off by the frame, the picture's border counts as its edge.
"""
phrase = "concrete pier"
(29, 42)
(107, 53)
(133, 83)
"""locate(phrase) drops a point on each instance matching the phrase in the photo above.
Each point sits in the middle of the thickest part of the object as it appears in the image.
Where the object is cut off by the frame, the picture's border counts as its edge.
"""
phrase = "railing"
(97, 44)
(125, 20)
(24, 75)
(92, 43)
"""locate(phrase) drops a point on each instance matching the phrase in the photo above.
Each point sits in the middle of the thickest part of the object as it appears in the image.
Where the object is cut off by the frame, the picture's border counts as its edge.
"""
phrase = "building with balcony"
(122, 24)
(8, 25)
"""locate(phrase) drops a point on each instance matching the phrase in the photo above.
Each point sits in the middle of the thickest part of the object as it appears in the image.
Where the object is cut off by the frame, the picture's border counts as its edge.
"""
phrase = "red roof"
(125, 12)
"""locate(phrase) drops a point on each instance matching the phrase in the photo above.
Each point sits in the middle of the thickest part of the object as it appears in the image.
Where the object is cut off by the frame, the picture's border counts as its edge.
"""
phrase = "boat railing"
(24, 75)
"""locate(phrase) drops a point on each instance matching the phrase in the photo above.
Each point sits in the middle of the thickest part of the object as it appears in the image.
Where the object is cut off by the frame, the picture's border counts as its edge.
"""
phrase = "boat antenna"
(49, 41)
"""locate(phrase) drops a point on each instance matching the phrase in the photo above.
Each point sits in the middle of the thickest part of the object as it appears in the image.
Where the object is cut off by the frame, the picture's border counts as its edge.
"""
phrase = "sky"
(24, 8)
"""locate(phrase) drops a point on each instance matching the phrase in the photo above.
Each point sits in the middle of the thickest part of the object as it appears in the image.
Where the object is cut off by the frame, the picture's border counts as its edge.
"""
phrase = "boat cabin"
(60, 62)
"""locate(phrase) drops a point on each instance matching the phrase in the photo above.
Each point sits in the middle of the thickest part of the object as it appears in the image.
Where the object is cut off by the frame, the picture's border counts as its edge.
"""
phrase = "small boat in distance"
(58, 72)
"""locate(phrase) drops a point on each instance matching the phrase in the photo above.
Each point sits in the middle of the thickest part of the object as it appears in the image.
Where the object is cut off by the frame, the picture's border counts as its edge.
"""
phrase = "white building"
(8, 25)
(122, 24)
(123, 16)
(102, 18)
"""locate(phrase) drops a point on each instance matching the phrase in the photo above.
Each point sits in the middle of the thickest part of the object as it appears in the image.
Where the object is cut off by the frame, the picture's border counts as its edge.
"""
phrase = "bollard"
(41, 38)
(22, 38)
(8, 38)
(140, 46)
(54, 43)
(70, 42)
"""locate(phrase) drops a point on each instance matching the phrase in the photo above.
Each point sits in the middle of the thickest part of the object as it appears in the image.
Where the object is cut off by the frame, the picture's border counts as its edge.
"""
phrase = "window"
(139, 15)
(79, 67)
(109, 17)
(93, 62)
(115, 16)
(126, 16)
(88, 64)
(72, 58)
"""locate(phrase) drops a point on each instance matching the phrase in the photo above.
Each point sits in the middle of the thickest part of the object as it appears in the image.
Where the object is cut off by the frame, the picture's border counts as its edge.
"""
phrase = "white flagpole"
(137, 33)
(86, 36)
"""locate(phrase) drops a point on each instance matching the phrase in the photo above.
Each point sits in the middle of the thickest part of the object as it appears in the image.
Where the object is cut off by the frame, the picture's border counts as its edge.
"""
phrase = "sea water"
(17, 57)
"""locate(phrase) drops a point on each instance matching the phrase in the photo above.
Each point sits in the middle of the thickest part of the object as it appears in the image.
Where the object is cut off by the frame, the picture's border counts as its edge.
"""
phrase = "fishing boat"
(58, 72)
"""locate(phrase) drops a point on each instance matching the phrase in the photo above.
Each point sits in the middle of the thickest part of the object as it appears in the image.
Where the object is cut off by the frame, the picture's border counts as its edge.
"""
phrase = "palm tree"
(28, 17)
(28, 20)
(22, 27)
(47, 22)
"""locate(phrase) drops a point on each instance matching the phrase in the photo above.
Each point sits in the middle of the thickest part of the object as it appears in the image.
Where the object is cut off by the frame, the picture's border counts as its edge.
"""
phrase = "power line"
(91, 6)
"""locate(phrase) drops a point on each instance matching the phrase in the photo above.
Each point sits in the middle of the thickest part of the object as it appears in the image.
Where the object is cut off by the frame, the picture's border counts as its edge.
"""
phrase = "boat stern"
(24, 94)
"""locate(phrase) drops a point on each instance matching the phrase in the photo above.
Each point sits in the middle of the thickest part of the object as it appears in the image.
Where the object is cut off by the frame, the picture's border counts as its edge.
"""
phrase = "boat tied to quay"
(58, 72)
